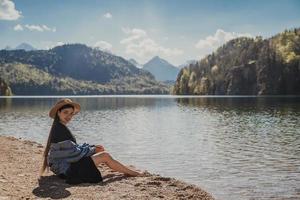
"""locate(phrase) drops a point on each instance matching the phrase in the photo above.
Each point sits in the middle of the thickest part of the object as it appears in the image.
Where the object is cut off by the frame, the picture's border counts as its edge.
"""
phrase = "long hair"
(46, 151)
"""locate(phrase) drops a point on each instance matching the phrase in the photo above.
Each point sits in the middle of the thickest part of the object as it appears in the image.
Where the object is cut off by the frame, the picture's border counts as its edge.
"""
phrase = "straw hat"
(60, 104)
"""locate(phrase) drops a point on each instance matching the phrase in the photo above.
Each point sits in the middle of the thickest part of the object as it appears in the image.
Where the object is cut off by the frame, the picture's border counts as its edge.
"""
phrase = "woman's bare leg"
(104, 157)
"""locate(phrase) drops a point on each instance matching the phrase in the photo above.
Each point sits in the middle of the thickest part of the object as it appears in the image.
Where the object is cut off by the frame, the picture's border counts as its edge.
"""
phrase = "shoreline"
(20, 162)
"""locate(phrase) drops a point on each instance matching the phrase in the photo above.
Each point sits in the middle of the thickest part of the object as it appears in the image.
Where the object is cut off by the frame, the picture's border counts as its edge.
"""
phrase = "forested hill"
(74, 63)
(246, 66)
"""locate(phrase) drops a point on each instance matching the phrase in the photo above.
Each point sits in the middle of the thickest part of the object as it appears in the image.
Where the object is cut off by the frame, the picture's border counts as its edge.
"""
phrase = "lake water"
(233, 147)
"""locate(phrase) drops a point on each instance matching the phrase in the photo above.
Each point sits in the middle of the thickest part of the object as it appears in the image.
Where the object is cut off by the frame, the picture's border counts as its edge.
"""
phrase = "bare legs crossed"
(104, 157)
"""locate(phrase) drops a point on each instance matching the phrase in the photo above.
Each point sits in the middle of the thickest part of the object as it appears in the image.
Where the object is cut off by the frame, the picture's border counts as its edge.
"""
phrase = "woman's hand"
(99, 148)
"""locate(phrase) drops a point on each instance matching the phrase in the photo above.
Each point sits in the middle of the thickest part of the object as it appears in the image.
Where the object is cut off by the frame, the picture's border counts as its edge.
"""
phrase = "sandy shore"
(20, 161)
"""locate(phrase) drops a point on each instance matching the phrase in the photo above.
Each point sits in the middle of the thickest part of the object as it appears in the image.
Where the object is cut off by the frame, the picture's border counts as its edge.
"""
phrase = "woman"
(69, 160)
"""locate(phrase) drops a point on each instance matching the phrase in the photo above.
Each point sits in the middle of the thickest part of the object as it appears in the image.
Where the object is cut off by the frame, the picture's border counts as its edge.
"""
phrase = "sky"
(175, 30)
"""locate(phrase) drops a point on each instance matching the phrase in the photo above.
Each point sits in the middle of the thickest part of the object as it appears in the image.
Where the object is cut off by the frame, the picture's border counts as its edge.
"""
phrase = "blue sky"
(176, 30)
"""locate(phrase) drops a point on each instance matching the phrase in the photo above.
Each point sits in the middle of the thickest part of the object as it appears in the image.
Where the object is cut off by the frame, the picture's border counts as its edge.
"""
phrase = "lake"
(233, 147)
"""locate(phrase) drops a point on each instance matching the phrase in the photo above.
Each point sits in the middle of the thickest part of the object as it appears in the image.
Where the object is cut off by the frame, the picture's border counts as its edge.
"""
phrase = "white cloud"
(126, 30)
(138, 43)
(18, 27)
(34, 28)
(107, 15)
(134, 34)
(50, 44)
(59, 43)
(46, 28)
(212, 42)
(39, 28)
(8, 10)
(103, 45)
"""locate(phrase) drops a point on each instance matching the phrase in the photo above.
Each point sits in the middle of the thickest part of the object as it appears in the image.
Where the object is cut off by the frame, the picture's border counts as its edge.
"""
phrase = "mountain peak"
(8, 48)
(25, 46)
(161, 69)
(158, 60)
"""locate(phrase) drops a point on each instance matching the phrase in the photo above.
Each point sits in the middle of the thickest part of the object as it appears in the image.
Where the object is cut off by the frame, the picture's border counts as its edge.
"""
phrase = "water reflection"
(7, 104)
(244, 104)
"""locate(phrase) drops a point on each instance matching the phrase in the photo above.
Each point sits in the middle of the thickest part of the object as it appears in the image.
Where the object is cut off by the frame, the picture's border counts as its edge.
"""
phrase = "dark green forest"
(246, 66)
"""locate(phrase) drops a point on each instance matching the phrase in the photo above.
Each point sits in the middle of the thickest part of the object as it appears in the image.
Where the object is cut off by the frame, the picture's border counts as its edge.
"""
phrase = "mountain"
(161, 69)
(25, 46)
(26, 79)
(246, 66)
(187, 63)
(8, 48)
(89, 70)
(135, 63)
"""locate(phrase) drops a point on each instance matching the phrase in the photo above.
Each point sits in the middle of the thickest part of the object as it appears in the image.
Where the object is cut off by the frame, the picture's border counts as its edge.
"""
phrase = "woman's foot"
(138, 173)
(132, 172)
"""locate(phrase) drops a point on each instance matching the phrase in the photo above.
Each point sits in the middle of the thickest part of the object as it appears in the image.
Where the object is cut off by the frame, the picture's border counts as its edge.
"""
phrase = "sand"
(20, 162)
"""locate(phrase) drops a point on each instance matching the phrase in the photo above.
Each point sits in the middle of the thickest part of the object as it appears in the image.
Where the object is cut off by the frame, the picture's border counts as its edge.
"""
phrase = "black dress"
(82, 171)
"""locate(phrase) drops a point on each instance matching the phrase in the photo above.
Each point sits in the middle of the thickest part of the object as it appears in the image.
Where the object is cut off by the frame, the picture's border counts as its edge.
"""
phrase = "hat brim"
(55, 108)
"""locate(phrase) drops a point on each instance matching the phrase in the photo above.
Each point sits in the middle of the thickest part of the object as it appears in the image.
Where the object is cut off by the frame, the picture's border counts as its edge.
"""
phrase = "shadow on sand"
(55, 188)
